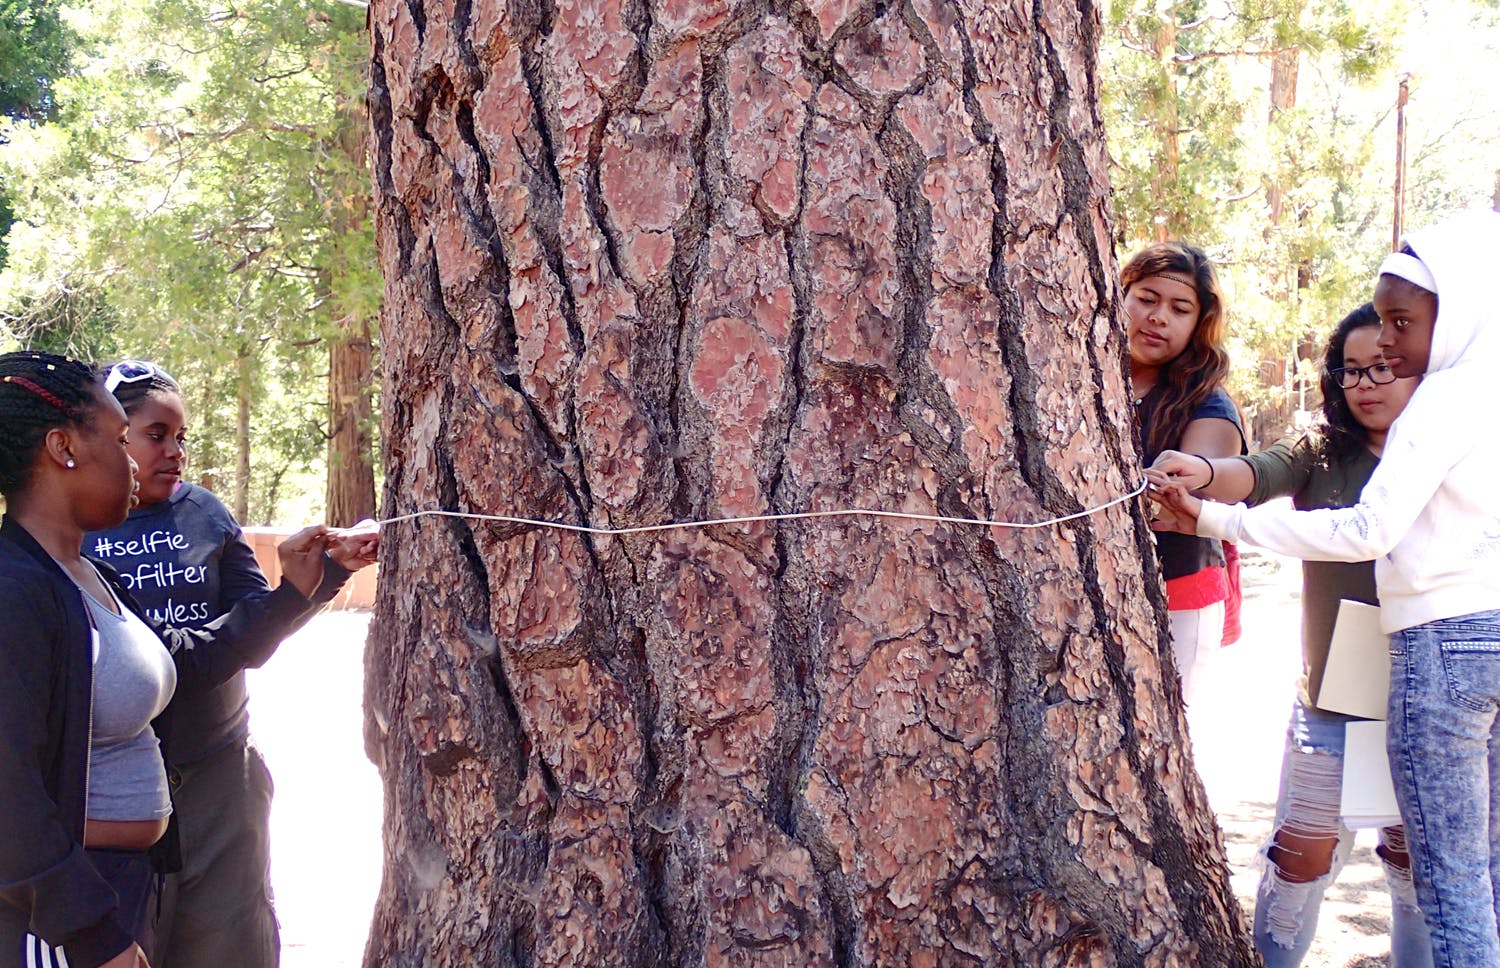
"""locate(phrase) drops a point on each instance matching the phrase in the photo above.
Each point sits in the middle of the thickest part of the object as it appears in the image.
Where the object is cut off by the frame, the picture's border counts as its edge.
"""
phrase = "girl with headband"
(86, 681)
(1175, 314)
(1326, 467)
(1430, 519)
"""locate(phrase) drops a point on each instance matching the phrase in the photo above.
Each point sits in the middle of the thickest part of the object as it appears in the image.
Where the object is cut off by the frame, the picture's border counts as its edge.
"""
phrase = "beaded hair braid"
(38, 391)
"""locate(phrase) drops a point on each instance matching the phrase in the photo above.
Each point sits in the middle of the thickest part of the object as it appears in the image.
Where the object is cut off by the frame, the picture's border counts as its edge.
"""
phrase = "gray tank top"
(134, 677)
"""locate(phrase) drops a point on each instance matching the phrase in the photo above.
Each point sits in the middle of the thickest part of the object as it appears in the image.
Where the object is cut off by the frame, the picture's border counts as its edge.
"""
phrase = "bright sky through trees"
(199, 197)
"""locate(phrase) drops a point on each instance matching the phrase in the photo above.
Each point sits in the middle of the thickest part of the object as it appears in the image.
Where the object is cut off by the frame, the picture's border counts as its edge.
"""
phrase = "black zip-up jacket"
(48, 886)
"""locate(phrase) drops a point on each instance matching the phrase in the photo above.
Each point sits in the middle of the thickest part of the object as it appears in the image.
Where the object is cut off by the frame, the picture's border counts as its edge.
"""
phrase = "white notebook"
(1357, 678)
(1368, 797)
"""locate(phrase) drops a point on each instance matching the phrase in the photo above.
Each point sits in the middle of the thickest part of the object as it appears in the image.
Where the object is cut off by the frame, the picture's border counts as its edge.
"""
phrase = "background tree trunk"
(1285, 66)
(244, 372)
(351, 478)
(351, 352)
(669, 259)
(1288, 286)
(1168, 222)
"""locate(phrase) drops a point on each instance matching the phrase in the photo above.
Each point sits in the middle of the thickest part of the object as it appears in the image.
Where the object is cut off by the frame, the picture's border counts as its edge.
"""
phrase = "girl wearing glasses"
(1177, 367)
(87, 680)
(1324, 468)
(1430, 519)
(185, 559)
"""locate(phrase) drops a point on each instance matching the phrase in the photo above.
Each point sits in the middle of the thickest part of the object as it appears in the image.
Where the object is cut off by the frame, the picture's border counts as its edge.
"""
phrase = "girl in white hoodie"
(1430, 518)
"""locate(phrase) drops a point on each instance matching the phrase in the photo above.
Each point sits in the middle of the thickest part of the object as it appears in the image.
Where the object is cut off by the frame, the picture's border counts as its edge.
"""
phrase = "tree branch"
(1216, 54)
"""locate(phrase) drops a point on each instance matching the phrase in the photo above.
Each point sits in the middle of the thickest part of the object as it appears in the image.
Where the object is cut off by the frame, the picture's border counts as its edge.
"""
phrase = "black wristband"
(1210, 470)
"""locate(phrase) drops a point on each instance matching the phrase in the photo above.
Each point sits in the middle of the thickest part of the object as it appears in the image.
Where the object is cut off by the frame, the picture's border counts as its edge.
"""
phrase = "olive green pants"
(217, 911)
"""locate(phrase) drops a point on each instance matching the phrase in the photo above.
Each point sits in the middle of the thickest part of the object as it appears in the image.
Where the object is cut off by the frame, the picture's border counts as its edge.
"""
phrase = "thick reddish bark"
(694, 258)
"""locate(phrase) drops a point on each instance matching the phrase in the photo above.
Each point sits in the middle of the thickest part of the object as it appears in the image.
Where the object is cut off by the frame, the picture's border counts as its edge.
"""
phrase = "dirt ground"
(326, 863)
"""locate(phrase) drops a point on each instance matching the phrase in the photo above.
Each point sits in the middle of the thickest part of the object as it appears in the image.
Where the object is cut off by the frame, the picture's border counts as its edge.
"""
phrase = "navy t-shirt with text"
(186, 562)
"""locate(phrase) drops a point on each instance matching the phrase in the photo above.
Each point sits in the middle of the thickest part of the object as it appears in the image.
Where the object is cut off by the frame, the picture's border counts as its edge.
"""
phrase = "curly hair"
(132, 394)
(1195, 373)
(38, 391)
(1342, 435)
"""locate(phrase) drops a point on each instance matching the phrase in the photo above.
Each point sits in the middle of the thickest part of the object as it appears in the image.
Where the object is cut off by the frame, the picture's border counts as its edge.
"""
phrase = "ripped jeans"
(1443, 736)
(1310, 844)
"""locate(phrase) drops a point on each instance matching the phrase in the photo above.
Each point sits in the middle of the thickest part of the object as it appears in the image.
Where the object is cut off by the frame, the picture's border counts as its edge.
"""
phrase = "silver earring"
(71, 463)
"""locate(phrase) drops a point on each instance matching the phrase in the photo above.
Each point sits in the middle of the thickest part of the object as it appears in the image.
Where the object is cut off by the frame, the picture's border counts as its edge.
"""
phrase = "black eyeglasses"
(129, 371)
(1348, 376)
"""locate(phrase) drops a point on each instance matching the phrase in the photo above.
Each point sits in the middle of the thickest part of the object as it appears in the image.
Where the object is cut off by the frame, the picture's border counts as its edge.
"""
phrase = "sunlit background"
(184, 181)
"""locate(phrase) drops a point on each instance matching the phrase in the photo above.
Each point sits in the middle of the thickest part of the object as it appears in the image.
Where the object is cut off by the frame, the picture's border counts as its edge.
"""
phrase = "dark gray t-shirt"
(186, 562)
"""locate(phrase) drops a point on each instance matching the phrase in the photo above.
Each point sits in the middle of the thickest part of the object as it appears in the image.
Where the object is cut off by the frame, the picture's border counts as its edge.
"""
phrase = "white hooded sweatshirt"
(1430, 515)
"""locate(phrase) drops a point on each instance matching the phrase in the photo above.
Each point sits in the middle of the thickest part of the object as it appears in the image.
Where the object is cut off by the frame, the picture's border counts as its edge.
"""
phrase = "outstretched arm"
(1222, 479)
(1281, 469)
(248, 634)
(1417, 458)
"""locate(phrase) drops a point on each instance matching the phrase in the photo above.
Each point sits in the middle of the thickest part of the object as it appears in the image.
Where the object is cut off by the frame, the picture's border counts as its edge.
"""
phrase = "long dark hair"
(1343, 436)
(1199, 370)
(38, 391)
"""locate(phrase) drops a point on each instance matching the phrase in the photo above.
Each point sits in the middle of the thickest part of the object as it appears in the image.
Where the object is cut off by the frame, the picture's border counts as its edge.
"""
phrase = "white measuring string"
(758, 518)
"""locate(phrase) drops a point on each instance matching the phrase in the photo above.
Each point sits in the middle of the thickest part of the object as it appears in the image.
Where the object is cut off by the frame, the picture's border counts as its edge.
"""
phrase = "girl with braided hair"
(86, 681)
(1175, 314)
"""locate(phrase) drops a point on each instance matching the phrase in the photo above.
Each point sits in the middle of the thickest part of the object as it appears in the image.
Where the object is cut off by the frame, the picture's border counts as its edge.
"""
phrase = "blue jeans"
(1307, 807)
(1442, 734)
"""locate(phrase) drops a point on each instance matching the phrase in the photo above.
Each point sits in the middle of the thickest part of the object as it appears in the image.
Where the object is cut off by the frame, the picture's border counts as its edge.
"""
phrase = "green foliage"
(72, 320)
(36, 49)
(1280, 113)
(209, 185)
(1174, 121)
(7, 219)
(203, 201)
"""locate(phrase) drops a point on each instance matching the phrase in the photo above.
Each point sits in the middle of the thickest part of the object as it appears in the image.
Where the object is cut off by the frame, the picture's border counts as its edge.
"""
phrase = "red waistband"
(1198, 590)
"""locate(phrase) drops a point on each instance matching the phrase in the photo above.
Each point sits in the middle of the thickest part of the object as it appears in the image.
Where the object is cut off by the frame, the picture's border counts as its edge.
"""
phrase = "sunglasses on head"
(130, 371)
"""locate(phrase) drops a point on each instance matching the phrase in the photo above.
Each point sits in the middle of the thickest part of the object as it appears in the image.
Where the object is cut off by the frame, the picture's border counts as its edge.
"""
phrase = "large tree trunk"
(675, 259)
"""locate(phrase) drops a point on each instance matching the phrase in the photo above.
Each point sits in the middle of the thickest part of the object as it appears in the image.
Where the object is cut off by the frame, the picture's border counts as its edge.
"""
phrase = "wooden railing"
(358, 591)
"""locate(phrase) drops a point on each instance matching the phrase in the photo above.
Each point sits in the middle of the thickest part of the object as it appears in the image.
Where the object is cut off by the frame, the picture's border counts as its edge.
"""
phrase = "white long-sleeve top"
(1430, 515)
